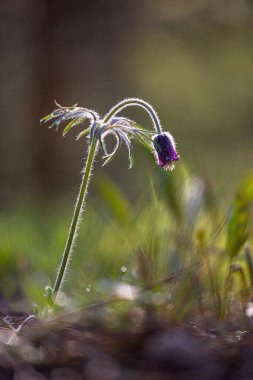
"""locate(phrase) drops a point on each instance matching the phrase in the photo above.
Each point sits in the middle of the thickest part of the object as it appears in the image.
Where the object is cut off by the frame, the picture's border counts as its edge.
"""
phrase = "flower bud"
(165, 148)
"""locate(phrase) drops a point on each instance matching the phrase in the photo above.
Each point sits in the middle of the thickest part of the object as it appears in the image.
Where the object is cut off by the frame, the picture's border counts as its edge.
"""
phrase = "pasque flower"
(165, 148)
(124, 131)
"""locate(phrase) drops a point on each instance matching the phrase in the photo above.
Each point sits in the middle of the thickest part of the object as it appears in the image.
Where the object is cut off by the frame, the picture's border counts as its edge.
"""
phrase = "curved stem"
(135, 102)
(75, 219)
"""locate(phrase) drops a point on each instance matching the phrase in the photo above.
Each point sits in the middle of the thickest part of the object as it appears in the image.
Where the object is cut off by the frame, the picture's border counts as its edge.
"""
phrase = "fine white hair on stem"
(76, 221)
(139, 103)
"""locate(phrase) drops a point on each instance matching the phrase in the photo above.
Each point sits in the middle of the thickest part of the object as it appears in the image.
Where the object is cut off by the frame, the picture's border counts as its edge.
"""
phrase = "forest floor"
(74, 347)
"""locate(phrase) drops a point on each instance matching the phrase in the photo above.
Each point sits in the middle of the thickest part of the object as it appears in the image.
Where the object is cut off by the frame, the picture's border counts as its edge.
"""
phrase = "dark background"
(192, 60)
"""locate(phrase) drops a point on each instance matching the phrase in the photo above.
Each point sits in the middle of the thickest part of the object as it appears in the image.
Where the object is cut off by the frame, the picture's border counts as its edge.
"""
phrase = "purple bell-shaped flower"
(165, 148)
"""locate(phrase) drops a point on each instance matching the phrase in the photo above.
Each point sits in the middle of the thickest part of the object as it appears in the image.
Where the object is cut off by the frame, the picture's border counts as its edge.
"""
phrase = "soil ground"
(74, 347)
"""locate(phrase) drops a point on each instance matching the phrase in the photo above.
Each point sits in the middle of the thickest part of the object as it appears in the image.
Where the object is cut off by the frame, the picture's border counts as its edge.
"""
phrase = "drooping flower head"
(161, 144)
(165, 148)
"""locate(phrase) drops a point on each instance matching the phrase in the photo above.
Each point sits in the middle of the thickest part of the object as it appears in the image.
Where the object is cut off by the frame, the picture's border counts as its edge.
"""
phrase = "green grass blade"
(238, 224)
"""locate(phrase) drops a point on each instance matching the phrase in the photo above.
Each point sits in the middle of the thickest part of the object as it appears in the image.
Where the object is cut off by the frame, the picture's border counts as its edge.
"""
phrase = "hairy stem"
(75, 219)
(139, 103)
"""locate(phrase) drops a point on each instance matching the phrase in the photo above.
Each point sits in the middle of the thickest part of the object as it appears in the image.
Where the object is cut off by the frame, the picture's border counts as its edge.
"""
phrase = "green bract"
(123, 129)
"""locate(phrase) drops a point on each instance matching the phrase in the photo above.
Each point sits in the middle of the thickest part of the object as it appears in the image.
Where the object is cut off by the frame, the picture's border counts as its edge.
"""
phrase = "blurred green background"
(191, 59)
